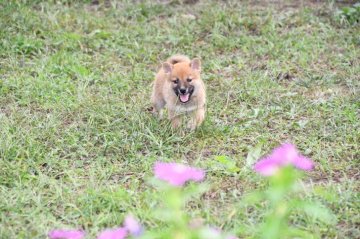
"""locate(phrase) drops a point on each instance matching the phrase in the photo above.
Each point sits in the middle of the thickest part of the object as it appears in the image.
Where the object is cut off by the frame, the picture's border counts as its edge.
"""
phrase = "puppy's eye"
(189, 80)
(176, 81)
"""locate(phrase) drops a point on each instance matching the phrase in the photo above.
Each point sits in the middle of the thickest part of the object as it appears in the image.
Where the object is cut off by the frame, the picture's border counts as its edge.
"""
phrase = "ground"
(77, 142)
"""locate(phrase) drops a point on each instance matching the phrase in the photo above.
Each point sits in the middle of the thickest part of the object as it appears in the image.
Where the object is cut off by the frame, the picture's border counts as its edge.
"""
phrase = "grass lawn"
(77, 142)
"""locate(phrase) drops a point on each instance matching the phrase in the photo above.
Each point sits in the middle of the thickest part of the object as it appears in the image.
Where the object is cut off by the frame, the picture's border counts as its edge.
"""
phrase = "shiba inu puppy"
(179, 88)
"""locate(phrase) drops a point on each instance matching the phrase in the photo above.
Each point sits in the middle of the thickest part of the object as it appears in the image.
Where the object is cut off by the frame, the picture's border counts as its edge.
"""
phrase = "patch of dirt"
(283, 5)
(337, 176)
(320, 94)
(5, 111)
(228, 185)
(285, 76)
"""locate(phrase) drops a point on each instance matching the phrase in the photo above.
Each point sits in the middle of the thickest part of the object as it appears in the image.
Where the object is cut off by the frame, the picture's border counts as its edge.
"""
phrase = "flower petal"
(177, 174)
(66, 234)
(285, 154)
(267, 167)
(133, 226)
(303, 163)
(118, 233)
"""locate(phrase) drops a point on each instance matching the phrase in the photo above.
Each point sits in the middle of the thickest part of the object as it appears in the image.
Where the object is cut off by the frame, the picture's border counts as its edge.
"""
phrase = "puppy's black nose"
(182, 91)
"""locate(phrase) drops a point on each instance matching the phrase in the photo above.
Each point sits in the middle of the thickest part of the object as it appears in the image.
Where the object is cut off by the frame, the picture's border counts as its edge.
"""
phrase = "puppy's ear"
(167, 67)
(196, 64)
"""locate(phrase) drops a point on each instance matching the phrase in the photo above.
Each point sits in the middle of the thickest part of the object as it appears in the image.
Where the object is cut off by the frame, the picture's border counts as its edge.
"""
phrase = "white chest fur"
(183, 109)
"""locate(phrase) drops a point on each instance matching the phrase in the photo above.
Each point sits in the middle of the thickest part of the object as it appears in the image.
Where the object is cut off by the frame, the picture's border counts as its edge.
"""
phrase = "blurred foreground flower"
(214, 233)
(133, 226)
(282, 156)
(66, 234)
(177, 174)
(118, 233)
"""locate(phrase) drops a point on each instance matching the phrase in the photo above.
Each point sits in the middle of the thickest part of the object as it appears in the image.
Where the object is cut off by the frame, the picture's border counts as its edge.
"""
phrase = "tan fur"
(182, 68)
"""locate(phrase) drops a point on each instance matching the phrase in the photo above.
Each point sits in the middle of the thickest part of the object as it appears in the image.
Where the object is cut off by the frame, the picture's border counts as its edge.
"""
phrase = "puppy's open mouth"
(184, 94)
(184, 98)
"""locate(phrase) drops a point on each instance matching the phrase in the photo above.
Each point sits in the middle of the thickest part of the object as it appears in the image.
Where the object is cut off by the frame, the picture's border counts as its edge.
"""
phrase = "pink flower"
(215, 233)
(118, 233)
(284, 155)
(133, 226)
(177, 174)
(66, 234)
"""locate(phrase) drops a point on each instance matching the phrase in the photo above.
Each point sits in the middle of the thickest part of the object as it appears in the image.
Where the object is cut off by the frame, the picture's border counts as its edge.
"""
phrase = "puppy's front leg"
(175, 119)
(199, 116)
(158, 105)
(196, 119)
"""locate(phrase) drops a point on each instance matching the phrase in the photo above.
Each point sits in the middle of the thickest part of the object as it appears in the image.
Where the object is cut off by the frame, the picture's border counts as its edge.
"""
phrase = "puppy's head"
(184, 78)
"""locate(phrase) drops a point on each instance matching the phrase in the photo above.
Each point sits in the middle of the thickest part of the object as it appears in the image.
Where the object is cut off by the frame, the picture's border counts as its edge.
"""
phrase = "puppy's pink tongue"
(184, 98)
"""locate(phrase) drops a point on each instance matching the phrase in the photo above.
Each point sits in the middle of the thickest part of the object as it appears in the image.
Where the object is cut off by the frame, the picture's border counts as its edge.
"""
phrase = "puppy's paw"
(175, 122)
(156, 113)
(191, 125)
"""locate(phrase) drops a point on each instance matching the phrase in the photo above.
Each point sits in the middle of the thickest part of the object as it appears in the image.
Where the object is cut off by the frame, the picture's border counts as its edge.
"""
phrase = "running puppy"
(179, 88)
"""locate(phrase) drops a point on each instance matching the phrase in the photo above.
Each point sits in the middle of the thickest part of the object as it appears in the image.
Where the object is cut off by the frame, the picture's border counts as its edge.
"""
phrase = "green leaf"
(227, 163)
(318, 212)
(326, 193)
(253, 155)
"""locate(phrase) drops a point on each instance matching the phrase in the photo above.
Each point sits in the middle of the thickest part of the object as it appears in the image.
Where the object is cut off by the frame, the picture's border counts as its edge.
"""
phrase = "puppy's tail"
(178, 58)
